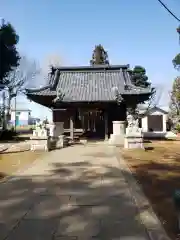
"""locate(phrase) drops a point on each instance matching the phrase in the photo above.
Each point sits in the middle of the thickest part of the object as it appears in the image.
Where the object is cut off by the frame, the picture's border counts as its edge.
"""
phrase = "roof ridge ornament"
(127, 87)
(54, 77)
(51, 74)
(118, 96)
(59, 96)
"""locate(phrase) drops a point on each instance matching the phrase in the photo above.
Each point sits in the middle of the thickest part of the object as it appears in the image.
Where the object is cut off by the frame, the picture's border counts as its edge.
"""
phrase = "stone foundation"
(57, 142)
(133, 142)
(38, 145)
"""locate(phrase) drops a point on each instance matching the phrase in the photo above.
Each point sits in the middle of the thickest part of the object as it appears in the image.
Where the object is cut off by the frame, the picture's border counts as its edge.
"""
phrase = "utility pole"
(15, 111)
(4, 108)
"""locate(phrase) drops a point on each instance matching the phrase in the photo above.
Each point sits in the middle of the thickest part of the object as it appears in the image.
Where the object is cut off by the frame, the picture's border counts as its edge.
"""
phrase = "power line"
(169, 11)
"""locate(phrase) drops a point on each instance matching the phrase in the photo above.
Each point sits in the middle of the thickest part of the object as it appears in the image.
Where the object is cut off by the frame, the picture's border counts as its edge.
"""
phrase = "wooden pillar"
(106, 124)
(72, 127)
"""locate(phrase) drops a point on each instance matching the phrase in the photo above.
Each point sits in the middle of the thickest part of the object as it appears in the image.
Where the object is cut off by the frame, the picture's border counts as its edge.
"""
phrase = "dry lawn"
(158, 171)
(12, 162)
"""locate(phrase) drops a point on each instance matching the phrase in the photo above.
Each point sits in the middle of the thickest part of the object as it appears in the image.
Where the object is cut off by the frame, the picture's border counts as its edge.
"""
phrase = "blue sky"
(133, 32)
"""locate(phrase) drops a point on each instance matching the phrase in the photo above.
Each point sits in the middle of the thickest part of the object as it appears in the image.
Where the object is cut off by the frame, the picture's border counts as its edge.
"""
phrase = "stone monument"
(134, 135)
(39, 137)
(40, 131)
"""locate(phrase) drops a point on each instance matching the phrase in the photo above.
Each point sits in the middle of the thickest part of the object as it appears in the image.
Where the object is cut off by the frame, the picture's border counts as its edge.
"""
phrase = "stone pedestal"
(40, 144)
(117, 138)
(133, 138)
(133, 142)
(56, 138)
(134, 135)
(39, 138)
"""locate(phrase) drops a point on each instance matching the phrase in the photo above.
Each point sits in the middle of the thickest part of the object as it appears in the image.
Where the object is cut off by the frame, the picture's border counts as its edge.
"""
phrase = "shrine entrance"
(93, 123)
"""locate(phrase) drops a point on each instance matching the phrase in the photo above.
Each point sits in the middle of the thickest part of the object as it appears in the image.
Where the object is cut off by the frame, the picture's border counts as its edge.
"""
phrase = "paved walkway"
(75, 193)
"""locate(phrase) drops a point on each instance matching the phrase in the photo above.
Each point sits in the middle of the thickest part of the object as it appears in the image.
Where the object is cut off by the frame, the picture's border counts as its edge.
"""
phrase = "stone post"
(59, 129)
(106, 125)
(72, 128)
(164, 119)
(119, 127)
(117, 138)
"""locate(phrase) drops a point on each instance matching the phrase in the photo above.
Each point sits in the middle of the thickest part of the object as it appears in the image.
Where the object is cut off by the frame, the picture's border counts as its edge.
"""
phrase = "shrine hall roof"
(89, 84)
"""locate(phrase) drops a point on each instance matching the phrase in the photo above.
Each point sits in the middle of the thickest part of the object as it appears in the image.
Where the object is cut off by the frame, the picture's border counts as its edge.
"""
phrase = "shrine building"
(90, 99)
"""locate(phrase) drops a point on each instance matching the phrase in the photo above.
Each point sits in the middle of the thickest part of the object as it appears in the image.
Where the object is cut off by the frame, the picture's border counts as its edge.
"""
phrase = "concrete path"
(75, 193)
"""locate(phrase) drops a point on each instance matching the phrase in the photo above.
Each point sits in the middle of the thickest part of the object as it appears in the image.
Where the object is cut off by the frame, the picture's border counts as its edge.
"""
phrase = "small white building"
(20, 117)
(154, 122)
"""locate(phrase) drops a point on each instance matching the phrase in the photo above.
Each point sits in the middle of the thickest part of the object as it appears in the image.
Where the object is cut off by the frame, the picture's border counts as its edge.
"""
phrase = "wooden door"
(155, 123)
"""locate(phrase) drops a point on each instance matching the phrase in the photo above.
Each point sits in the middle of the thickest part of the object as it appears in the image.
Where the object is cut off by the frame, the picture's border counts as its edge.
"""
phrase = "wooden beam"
(72, 128)
(106, 124)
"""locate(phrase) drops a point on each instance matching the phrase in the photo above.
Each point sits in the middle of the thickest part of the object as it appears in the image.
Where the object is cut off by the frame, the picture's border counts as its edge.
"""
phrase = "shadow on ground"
(160, 179)
(12, 152)
(76, 199)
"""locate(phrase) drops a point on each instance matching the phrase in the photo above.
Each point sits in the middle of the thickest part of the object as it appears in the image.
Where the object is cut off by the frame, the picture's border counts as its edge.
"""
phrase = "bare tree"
(21, 77)
(49, 61)
(156, 96)
(153, 101)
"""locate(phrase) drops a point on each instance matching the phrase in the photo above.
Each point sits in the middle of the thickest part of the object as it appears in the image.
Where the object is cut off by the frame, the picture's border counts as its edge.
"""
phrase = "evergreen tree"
(139, 78)
(9, 57)
(99, 56)
(175, 101)
(176, 62)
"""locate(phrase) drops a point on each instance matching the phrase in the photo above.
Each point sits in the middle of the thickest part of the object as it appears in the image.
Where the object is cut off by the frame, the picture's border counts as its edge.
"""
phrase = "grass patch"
(12, 162)
(158, 171)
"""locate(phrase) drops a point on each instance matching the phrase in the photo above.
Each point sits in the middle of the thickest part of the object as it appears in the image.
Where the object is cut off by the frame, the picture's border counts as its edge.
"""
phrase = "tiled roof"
(88, 84)
(153, 109)
(45, 91)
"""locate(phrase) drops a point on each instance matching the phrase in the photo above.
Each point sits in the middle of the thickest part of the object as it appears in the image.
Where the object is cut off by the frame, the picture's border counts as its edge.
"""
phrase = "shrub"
(8, 135)
(178, 127)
